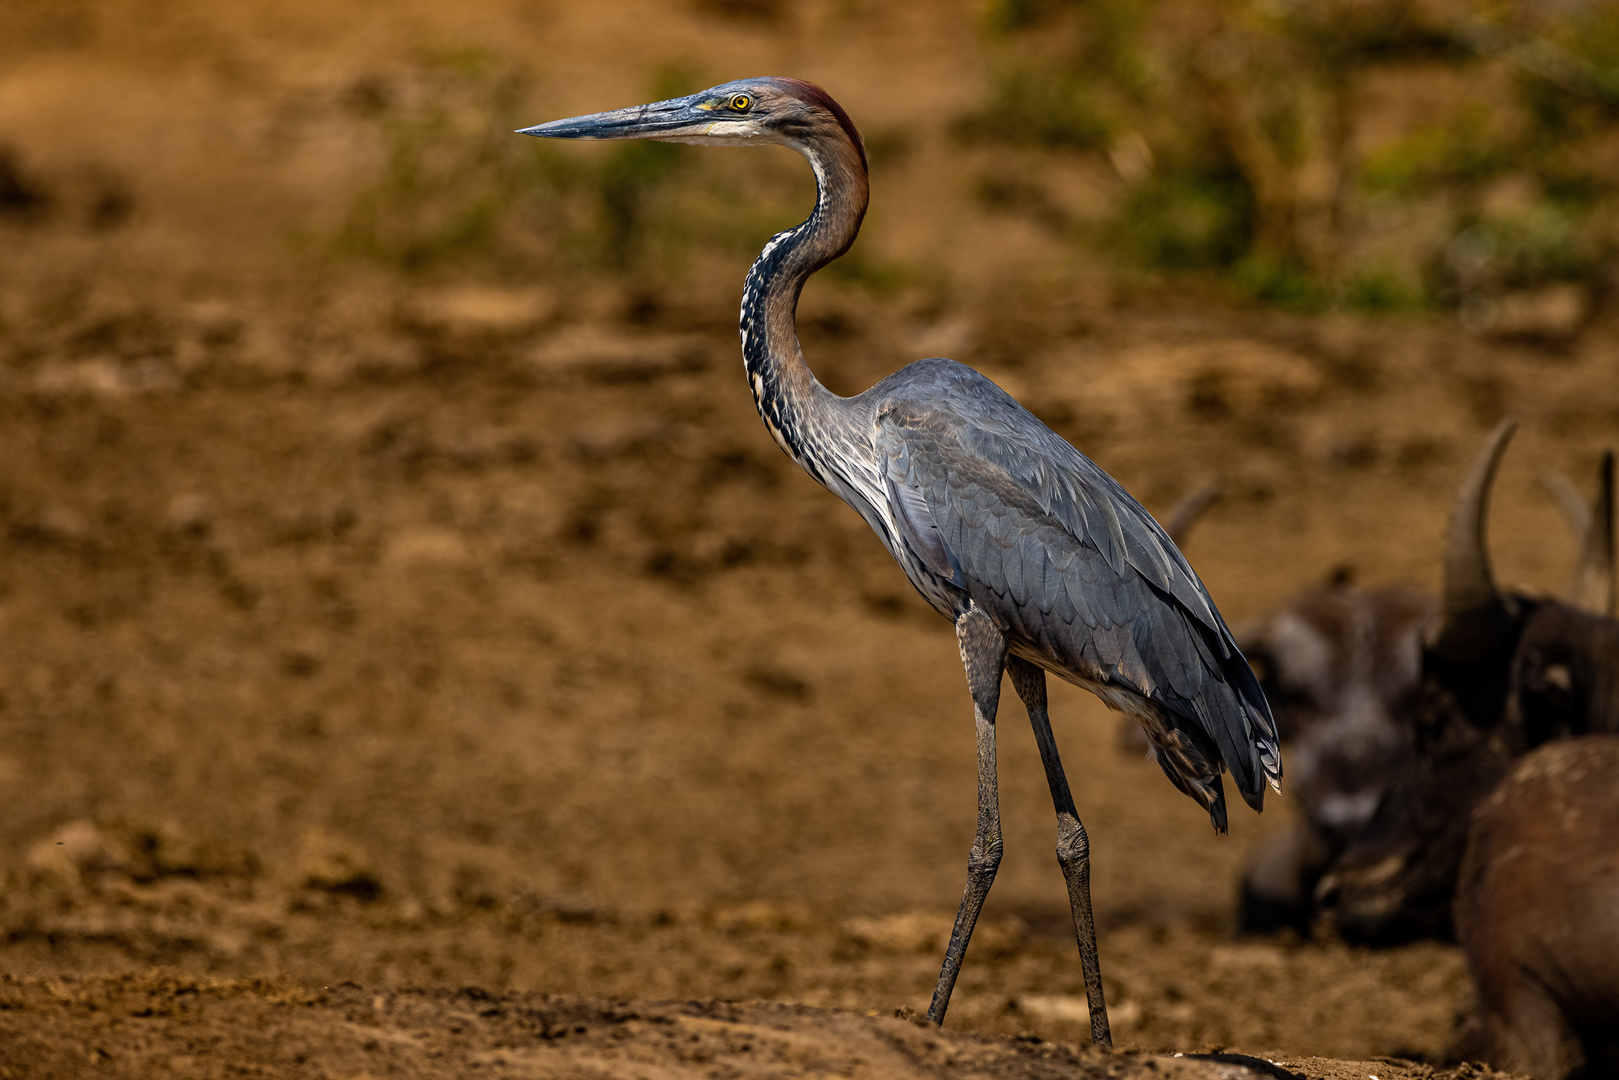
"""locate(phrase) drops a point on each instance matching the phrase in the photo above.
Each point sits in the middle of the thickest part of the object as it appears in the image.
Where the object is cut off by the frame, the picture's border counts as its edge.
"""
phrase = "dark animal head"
(1342, 667)
(1502, 672)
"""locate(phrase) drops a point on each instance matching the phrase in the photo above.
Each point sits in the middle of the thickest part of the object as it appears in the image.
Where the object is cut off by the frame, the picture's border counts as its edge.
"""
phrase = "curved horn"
(1602, 543)
(1569, 502)
(1189, 509)
(1595, 583)
(1474, 616)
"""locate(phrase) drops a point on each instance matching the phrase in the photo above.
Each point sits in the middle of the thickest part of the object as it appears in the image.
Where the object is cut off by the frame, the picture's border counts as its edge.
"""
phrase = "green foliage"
(1594, 38)
(628, 184)
(451, 170)
(1089, 76)
(1117, 45)
(1006, 16)
(457, 188)
(1462, 151)
(1494, 255)
(1569, 81)
(1265, 165)
(883, 278)
(1111, 33)
(1278, 283)
(1067, 101)
(1046, 108)
(1237, 139)
(1380, 290)
(457, 185)
(633, 185)
(1188, 219)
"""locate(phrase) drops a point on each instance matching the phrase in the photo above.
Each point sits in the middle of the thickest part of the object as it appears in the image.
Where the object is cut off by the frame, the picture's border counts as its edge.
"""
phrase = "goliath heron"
(1042, 561)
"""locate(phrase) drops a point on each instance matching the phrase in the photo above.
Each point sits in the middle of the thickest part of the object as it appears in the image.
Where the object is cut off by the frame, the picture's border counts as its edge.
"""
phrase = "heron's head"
(769, 109)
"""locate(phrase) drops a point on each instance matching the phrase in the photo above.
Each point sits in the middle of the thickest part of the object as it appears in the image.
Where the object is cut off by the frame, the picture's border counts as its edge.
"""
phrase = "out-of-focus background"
(397, 586)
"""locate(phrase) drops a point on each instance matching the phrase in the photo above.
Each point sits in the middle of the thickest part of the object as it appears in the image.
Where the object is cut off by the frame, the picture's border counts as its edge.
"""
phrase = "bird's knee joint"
(1073, 847)
(984, 859)
(1068, 858)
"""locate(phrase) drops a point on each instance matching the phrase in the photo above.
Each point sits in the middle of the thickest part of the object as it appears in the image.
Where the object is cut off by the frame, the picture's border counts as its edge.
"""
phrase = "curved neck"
(784, 390)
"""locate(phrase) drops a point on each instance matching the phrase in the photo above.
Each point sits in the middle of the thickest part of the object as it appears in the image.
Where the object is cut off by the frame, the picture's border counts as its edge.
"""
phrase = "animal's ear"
(921, 531)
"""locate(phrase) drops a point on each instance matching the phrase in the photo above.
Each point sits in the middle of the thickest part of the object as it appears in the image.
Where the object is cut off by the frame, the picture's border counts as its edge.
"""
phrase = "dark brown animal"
(1342, 668)
(1537, 912)
(1502, 673)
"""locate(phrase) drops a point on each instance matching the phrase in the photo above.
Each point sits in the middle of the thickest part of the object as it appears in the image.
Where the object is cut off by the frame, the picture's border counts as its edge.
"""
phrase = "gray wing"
(1072, 567)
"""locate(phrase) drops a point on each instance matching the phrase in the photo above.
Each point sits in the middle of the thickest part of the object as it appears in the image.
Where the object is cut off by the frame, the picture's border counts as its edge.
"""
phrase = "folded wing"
(1075, 570)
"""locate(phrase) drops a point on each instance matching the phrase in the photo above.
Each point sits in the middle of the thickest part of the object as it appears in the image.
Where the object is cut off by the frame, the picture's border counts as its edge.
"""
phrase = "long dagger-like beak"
(661, 119)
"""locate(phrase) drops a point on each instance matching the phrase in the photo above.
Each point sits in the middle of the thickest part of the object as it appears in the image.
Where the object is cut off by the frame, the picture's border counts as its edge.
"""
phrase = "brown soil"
(370, 637)
(159, 1025)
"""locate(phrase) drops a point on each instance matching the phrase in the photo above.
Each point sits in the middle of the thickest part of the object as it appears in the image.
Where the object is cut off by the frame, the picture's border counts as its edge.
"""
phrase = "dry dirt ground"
(153, 1026)
(384, 656)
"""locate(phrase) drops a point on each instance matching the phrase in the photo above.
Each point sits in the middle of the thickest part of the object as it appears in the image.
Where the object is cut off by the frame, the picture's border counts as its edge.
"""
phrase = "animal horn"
(1474, 616)
(1602, 543)
(1570, 503)
(1593, 529)
(1189, 510)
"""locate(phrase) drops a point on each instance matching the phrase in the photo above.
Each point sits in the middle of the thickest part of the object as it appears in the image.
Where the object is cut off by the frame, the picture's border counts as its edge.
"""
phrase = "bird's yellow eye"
(741, 102)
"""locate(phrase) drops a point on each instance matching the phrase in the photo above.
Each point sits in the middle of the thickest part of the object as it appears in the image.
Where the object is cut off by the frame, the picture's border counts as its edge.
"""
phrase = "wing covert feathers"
(1081, 578)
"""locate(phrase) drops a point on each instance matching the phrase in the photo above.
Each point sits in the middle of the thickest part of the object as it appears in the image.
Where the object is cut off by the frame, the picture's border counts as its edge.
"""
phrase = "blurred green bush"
(458, 189)
(1378, 155)
(1375, 155)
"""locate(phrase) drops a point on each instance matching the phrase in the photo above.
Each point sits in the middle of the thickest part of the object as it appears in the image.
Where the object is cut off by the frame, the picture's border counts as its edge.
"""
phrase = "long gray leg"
(1073, 846)
(983, 654)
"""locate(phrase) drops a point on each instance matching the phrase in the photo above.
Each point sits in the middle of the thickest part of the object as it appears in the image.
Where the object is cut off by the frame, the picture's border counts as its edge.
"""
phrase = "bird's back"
(996, 507)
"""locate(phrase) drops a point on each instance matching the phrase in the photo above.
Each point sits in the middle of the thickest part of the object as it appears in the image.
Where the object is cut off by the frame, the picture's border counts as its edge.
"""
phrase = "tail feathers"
(1265, 766)
(1259, 728)
(1190, 761)
(1270, 760)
